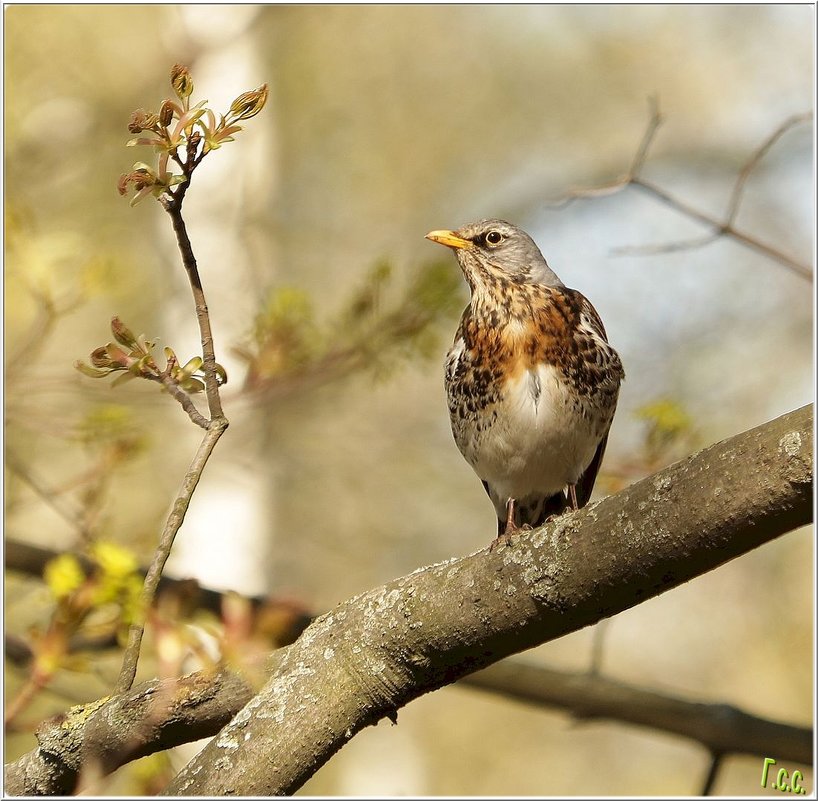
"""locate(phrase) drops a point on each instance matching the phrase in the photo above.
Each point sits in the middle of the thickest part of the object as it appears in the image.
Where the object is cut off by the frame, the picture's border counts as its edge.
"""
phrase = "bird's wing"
(585, 485)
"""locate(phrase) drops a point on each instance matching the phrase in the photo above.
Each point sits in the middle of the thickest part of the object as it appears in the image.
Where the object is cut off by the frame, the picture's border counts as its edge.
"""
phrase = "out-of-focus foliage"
(113, 425)
(667, 426)
(377, 329)
(107, 598)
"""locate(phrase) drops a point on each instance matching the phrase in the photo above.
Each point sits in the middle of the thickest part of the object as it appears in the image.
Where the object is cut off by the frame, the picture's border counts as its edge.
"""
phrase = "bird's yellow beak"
(448, 238)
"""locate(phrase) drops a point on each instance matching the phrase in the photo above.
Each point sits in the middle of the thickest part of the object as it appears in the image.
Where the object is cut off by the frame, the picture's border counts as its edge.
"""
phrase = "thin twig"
(667, 247)
(22, 700)
(656, 119)
(174, 209)
(184, 399)
(174, 522)
(712, 774)
(752, 163)
(720, 227)
(50, 496)
(49, 314)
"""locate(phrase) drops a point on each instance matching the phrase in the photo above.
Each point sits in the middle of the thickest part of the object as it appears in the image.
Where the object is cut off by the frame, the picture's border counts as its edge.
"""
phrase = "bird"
(531, 380)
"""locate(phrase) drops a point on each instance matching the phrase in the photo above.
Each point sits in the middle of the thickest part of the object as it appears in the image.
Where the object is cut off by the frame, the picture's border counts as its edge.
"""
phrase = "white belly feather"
(541, 438)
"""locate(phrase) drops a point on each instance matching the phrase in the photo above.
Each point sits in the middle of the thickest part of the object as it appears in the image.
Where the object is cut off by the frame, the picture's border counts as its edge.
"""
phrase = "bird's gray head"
(497, 246)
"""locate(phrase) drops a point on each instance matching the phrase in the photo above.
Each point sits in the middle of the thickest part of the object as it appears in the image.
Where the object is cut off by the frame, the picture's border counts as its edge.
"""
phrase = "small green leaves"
(196, 132)
(132, 357)
(377, 326)
(114, 578)
(190, 377)
(666, 416)
(132, 354)
(122, 333)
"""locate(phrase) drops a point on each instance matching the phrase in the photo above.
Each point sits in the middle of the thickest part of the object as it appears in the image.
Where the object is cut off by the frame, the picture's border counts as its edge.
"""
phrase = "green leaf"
(191, 367)
(91, 372)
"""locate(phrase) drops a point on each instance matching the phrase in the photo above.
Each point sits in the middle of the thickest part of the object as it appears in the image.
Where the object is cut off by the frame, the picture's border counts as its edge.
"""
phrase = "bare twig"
(180, 395)
(23, 698)
(214, 431)
(720, 227)
(654, 122)
(713, 772)
(174, 209)
(49, 314)
(755, 158)
(49, 495)
(604, 190)
(667, 247)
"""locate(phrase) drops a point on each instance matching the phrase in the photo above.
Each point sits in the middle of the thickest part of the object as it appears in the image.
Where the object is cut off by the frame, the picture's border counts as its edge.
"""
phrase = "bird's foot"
(500, 540)
(504, 537)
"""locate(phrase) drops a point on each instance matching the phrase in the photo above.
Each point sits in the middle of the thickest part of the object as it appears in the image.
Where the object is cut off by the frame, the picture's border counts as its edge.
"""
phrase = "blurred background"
(332, 316)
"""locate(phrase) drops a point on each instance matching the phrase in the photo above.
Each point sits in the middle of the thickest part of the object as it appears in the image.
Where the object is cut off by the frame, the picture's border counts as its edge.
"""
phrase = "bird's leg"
(511, 526)
(572, 495)
(503, 537)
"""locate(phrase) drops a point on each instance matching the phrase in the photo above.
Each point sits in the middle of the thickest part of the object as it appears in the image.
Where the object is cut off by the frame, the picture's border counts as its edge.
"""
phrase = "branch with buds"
(197, 131)
(181, 135)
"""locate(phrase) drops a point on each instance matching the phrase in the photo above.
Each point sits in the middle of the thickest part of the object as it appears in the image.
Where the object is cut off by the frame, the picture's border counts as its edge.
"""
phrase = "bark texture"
(106, 734)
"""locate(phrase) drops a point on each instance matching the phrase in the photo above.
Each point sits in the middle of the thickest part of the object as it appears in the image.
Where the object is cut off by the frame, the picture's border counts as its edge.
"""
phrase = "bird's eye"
(494, 238)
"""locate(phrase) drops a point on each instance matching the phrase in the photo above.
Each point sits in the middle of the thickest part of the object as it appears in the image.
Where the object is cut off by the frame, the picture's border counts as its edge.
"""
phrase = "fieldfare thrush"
(531, 380)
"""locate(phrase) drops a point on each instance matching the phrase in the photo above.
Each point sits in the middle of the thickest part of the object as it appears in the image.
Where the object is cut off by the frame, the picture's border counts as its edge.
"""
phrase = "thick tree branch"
(152, 717)
(380, 650)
